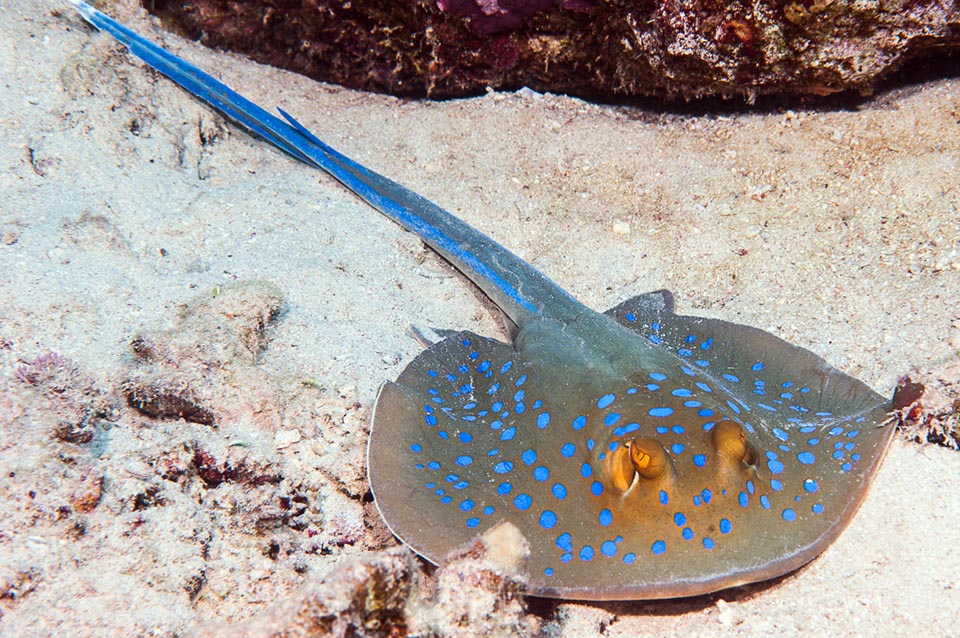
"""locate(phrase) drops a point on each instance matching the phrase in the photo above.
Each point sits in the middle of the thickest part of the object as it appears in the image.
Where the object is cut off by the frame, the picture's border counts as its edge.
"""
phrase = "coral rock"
(593, 48)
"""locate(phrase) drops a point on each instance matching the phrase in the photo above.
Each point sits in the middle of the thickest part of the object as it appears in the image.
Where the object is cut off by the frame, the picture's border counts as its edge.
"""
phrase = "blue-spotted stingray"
(642, 454)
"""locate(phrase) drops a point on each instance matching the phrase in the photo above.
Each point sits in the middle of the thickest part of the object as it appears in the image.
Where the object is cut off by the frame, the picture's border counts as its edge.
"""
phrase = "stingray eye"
(622, 473)
(730, 442)
(649, 458)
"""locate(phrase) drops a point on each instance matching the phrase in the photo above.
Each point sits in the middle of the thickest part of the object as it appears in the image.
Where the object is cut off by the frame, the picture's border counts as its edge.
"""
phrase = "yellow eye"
(730, 442)
(649, 458)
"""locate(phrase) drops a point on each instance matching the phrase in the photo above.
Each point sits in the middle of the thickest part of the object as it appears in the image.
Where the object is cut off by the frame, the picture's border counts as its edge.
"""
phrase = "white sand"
(837, 230)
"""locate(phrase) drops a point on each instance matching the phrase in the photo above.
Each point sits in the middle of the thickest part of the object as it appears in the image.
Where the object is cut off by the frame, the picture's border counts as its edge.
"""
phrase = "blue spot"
(586, 470)
(706, 344)
(679, 519)
(519, 409)
(652, 387)
(629, 558)
(807, 458)
(658, 376)
(605, 518)
(565, 542)
(568, 450)
(776, 485)
(473, 522)
(697, 500)
(522, 502)
(684, 352)
(466, 505)
(508, 434)
(504, 488)
(731, 378)
(742, 499)
(835, 431)
(548, 571)
(548, 519)
(494, 452)
(521, 380)
(586, 553)
(443, 435)
(566, 558)
(446, 499)
(681, 392)
(611, 419)
(750, 487)
(780, 434)
(506, 366)
(461, 485)
(416, 448)
(605, 400)
(662, 429)
(775, 466)
(706, 412)
(813, 441)
(677, 448)
(846, 467)
(789, 515)
(609, 548)
(725, 526)
(529, 457)
(664, 498)
(543, 420)
(707, 495)
(690, 338)
(660, 412)
(765, 502)
(852, 434)
(465, 437)
(817, 508)
(596, 488)
(658, 548)
(488, 510)
(590, 444)
(464, 460)
(630, 317)
(433, 465)
(518, 396)
(687, 534)
(503, 467)
(678, 429)
(430, 420)
(483, 367)
(580, 422)
(708, 543)
(559, 490)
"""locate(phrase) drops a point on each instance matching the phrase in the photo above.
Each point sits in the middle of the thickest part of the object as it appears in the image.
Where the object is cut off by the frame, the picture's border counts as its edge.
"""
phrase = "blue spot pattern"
(678, 406)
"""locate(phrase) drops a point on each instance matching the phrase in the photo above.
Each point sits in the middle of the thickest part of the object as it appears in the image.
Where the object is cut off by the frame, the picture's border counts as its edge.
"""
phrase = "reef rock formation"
(593, 48)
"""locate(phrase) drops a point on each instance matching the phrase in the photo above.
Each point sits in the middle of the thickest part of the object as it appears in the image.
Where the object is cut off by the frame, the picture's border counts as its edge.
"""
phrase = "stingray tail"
(515, 286)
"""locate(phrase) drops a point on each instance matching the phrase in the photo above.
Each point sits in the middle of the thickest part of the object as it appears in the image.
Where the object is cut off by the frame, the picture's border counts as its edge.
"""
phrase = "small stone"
(286, 438)
(621, 228)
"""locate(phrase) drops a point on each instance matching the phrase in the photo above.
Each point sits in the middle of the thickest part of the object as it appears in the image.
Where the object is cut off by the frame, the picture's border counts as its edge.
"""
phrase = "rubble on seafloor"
(476, 592)
(590, 48)
(927, 402)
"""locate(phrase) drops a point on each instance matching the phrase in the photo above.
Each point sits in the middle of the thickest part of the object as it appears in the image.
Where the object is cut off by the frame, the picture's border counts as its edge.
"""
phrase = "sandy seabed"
(154, 258)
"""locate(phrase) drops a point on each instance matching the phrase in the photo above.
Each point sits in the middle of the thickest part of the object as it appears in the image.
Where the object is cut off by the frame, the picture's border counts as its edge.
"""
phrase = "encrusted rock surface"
(594, 48)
